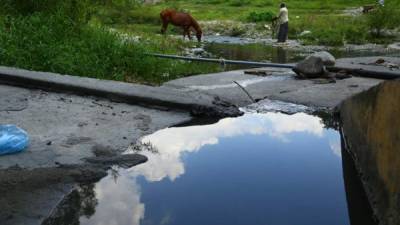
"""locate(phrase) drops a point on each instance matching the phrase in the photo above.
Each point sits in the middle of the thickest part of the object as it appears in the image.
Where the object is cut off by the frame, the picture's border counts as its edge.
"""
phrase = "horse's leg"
(184, 32)
(164, 27)
(188, 33)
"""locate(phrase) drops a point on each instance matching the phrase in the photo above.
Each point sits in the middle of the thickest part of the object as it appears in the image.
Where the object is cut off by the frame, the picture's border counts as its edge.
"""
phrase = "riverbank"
(109, 40)
(313, 23)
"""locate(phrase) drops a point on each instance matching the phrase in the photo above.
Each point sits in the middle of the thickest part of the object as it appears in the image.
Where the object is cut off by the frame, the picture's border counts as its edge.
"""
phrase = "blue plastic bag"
(12, 139)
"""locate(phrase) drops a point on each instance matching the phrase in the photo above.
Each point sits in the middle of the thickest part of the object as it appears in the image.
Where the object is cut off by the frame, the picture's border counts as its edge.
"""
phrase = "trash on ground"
(259, 72)
(12, 139)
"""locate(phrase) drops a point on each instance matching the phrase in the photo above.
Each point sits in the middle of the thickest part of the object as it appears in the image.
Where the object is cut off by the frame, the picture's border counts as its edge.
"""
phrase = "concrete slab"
(193, 101)
(281, 85)
(65, 128)
(371, 134)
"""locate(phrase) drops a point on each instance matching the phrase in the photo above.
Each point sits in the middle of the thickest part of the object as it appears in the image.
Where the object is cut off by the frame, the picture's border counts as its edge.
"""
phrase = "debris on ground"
(12, 139)
(383, 62)
(368, 8)
(262, 73)
(220, 108)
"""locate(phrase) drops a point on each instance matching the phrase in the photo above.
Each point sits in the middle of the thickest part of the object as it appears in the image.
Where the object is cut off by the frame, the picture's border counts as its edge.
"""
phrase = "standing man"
(283, 21)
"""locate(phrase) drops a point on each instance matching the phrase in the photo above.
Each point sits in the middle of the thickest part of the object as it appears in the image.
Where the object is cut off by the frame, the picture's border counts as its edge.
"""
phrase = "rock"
(197, 51)
(124, 161)
(342, 75)
(104, 151)
(218, 109)
(306, 32)
(327, 58)
(380, 61)
(311, 67)
(394, 46)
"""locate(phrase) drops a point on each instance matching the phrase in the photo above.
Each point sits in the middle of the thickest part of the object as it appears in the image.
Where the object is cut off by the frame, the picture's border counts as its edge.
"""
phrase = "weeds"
(260, 17)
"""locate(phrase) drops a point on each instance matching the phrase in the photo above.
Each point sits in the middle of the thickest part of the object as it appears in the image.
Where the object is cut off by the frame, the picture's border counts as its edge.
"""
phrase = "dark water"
(267, 168)
(255, 52)
(276, 54)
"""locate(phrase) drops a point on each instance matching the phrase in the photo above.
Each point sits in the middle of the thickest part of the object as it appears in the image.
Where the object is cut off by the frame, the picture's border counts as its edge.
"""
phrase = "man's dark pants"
(283, 32)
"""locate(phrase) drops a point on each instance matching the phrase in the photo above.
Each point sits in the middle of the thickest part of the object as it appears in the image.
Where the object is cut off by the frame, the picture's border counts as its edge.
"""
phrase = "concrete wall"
(371, 128)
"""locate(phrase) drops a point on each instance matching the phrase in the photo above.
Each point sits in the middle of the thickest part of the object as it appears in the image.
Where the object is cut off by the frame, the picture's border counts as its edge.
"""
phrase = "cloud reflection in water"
(173, 142)
(122, 198)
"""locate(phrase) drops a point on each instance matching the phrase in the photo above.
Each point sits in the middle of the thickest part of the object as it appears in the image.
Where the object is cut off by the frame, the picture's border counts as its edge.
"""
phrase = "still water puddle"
(269, 168)
(277, 54)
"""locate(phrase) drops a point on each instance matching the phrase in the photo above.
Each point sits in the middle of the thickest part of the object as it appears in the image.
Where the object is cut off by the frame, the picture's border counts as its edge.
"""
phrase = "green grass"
(54, 41)
(75, 37)
(323, 18)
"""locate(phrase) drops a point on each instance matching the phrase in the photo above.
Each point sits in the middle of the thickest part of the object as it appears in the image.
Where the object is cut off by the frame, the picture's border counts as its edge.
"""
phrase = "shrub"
(260, 17)
(75, 10)
(382, 18)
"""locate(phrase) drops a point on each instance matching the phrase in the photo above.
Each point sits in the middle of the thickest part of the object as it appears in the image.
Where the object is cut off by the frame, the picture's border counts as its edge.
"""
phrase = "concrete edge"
(196, 102)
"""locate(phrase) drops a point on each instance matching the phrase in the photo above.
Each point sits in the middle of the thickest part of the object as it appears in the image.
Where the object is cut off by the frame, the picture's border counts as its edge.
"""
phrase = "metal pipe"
(354, 71)
(360, 72)
(224, 61)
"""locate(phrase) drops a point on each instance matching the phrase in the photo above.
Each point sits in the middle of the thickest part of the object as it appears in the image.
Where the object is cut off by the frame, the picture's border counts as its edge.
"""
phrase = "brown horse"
(180, 19)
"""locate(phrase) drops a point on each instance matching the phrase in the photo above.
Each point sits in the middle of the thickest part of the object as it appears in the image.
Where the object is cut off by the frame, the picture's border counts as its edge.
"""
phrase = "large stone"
(327, 58)
(311, 67)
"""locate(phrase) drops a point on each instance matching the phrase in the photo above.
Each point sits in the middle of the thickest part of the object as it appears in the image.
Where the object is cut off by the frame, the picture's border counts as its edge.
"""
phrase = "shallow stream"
(243, 49)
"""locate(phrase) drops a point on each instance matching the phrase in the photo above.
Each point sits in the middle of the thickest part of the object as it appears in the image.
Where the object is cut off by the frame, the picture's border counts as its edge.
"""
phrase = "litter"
(12, 139)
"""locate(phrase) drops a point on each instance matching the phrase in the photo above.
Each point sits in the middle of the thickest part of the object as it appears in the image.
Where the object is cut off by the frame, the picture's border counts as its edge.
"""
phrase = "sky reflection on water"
(267, 168)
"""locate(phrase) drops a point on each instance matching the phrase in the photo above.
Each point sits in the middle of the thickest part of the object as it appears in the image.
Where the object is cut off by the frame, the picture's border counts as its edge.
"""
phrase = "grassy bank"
(97, 38)
(54, 37)
(326, 20)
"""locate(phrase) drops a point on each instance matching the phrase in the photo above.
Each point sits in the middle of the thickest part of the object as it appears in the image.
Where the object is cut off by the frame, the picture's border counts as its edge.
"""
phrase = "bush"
(386, 17)
(75, 10)
(260, 17)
